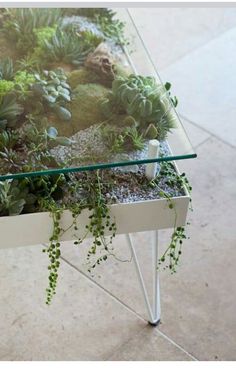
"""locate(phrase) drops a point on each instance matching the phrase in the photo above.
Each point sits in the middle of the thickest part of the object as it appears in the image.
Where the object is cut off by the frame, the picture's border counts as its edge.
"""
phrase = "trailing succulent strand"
(172, 254)
(100, 222)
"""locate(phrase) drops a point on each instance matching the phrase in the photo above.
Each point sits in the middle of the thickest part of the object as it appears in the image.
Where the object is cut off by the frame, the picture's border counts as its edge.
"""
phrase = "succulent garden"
(69, 99)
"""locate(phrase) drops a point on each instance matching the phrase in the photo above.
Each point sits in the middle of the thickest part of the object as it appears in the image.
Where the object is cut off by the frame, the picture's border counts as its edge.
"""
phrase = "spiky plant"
(6, 69)
(9, 111)
(22, 22)
(66, 47)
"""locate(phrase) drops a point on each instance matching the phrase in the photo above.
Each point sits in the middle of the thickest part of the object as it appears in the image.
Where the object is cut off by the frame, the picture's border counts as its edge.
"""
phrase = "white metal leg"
(153, 312)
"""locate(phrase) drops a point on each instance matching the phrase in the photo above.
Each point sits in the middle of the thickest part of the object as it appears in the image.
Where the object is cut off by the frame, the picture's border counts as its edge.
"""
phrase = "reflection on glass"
(78, 91)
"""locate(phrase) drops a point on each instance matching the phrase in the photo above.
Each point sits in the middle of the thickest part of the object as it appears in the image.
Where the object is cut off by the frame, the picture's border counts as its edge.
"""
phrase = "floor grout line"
(207, 131)
(203, 142)
(128, 308)
(176, 344)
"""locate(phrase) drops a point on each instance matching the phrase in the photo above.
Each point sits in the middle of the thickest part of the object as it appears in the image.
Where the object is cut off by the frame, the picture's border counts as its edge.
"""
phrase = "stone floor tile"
(149, 345)
(195, 134)
(185, 29)
(198, 304)
(83, 323)
(204, 83)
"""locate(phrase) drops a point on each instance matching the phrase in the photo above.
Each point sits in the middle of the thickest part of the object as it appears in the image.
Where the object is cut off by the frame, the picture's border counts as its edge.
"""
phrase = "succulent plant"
(6, 69)
(9, 111)
(6, 87)
(12, 198)
(66, 47)
(22, 22)
(8, 139)
(143, 99)
(53, 89)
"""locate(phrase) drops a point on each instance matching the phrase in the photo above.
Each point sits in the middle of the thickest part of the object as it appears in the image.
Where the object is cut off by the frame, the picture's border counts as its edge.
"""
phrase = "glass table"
(79, 92)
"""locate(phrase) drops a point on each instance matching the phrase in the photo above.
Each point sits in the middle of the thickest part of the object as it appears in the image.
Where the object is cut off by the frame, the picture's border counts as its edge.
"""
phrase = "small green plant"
(145, 100)
(52, 88)
(22, 22)
(8, 139)
(6, 87)
(6, 69)
(111, 28)
(23, 82)
(9, 111)
(13, 198)
(66, 47)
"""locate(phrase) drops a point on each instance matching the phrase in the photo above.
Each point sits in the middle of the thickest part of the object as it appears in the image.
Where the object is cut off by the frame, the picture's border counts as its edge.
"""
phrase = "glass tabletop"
(78, 91)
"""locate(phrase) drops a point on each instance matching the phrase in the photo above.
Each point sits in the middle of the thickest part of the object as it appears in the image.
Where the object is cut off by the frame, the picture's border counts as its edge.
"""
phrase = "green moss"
(85, 109)
(85, 76)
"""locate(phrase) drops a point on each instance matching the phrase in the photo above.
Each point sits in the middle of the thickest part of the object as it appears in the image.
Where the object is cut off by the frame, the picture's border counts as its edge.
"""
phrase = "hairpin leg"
(153, 312)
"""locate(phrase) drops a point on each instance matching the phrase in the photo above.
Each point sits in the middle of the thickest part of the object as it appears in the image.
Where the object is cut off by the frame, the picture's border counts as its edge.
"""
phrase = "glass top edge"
(101, 166)
(177, 143)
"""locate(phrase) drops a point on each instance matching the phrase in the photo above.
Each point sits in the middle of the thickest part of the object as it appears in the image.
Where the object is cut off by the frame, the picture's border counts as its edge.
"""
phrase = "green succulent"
(66, 47)
(23, 81)
(6, 87)
(45, 33)
(12, 199)
(22, 22)
(143, 99)
(53, 89)
(6, 69)
(8, 139)
(9, 111)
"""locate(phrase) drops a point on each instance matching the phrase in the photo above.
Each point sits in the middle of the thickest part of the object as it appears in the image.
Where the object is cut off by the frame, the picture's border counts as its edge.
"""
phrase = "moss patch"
(86, 76)
(85, 109)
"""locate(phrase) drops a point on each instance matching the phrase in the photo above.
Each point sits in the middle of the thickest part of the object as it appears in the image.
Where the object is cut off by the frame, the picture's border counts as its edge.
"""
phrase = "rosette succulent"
(146, 101)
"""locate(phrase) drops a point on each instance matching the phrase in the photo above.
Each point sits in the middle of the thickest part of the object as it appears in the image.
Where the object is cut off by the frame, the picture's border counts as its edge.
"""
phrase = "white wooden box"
(36, 228)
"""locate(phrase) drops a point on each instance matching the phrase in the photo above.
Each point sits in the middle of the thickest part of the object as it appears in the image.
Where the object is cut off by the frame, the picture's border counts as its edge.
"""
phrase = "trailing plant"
(100, 221)
(111, 28)
(172, 253)
(145, 100)
(66, 47)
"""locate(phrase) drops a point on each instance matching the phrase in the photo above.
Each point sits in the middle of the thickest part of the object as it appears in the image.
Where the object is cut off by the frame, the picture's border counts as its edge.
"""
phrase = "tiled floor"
(194, 49)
